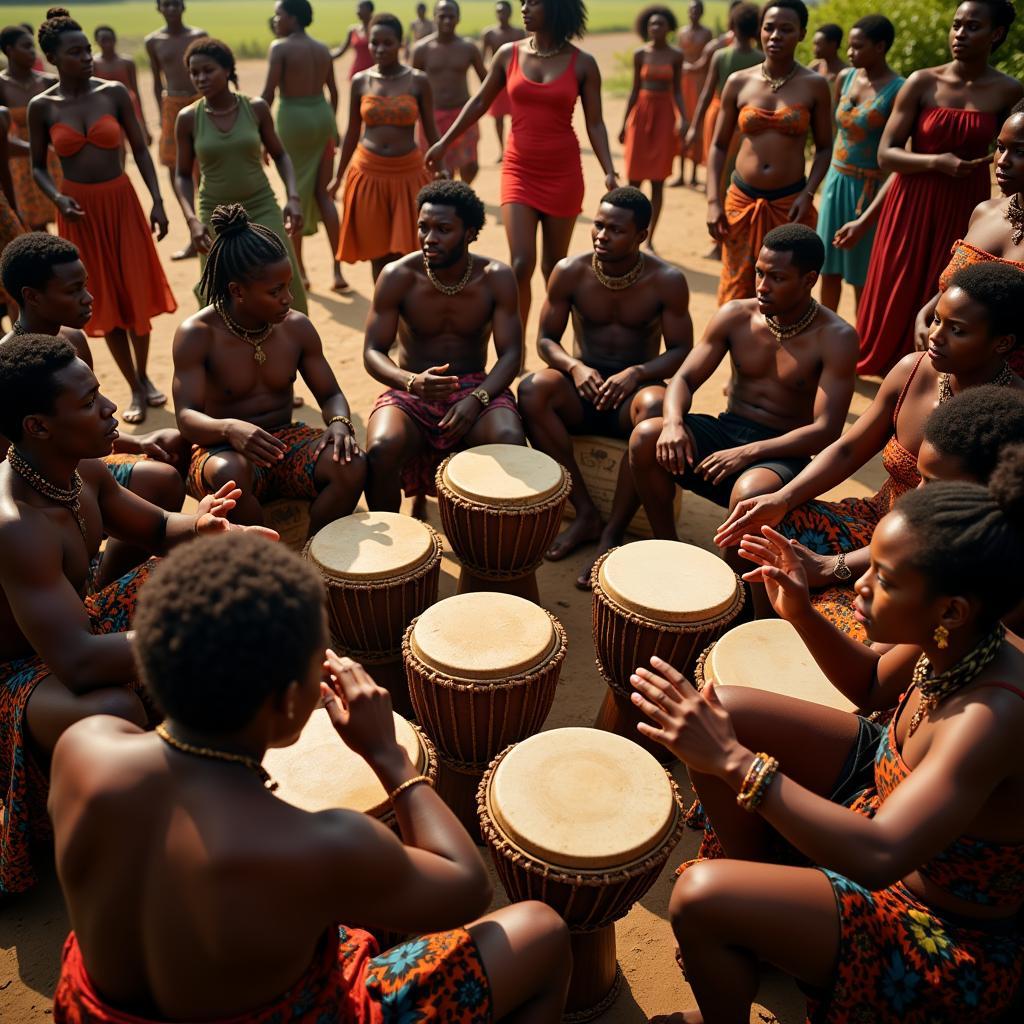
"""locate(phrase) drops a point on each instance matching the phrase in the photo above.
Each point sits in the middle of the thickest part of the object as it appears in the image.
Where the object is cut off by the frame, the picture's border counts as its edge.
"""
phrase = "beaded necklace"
(449, 289)
(254, 338)
(1004, 378)
(217, 755)
(70, 498)
(785, 332)
(617, 284)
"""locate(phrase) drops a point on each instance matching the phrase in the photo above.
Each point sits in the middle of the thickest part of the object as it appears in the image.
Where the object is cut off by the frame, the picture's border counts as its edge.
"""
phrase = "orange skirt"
(125, 276)
(379, 215)
(651, 136)
(692, 83)
(10, 228)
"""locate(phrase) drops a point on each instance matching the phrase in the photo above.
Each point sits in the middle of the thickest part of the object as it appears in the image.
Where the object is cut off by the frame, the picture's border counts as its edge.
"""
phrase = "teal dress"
(854, 178)
(231, 171)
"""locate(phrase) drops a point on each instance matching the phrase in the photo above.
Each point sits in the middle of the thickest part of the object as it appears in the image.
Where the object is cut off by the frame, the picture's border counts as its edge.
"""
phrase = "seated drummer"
(441, 305)
(622, 303)
(235, 363)
(171, 841)
(881, 866)
(64, 652)
(793, 370)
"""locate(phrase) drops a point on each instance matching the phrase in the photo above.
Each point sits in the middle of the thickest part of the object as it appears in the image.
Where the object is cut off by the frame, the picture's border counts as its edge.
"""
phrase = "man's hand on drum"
(434, 384)
(781, 569)
(459, 419)
(360, 710)
(749, 516)
(692, 725)
(674, 450)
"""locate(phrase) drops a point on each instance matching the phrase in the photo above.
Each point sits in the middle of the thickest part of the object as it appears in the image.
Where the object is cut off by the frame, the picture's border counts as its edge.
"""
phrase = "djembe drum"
(584, 821)
(381, 570)
(655, 597)
(768, 655)
(501, 506)
(482, 670)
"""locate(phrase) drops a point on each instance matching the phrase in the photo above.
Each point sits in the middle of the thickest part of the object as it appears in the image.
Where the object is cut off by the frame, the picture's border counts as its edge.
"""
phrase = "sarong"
(10, 228)
(294, 476)
(379, 215)
(125, 276)
(307, 129)
(36, 210)
(752, 213)
(434, 978)
(121, 465)
(692, 82)
(23, 786)
(418, 472)
(463, 151)
(502, 105)
(170, 108)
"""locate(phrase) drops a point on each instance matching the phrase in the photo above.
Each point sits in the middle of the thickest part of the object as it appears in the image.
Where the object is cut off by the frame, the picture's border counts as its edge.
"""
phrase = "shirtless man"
(493, 40)
(692, 40)
(446, 58)
(235, 363)
(825, 46)
(420, 27)
(64, 650)
(172, 86)
(618, 377)
(441, 305)
(793, 371)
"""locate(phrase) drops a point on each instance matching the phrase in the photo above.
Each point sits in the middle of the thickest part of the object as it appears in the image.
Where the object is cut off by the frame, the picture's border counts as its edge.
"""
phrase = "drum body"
(768, 655)
(585, 822)
(501, 506)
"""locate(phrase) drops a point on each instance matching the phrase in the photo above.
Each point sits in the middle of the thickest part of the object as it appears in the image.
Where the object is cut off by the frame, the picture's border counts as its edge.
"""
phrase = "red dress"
(651, 134)
(542, 166)
(922, 216)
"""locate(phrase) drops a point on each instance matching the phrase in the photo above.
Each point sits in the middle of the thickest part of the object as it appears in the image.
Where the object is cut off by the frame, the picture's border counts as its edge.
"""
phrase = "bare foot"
(584, 529)
(605, 543)
(419, 507)
(188, 253)
(154, 396)
(340, 284)
(677, 182)
(136, 411)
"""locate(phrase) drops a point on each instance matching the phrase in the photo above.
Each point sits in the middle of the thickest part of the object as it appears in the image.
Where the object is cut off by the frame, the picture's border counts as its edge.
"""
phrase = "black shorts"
(727, 430)
(606, 422)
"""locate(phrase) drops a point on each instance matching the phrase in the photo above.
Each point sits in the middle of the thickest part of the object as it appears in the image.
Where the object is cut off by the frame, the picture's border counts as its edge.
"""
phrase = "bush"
(922, 32)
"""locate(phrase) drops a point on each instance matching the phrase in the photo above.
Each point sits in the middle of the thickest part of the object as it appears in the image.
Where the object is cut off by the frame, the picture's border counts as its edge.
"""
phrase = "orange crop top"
(104, 133)
(397, 111)
(787, 120)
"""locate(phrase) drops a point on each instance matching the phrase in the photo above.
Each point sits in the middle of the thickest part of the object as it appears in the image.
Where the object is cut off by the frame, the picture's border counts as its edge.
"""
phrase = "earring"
(941, 637)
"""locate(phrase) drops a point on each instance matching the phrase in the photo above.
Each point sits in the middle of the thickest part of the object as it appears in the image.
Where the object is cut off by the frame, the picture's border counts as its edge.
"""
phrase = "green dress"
(231, 171)
(306, 127)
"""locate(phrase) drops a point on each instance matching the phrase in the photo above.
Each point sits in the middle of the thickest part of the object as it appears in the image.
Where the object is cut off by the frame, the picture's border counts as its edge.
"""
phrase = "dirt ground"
(33, 927)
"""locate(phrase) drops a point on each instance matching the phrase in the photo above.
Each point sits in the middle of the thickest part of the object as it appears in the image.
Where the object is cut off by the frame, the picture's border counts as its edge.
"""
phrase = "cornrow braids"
(240, 249)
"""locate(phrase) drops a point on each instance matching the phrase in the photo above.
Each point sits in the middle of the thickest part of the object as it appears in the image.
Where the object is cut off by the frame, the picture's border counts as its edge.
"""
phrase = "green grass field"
(243, 23)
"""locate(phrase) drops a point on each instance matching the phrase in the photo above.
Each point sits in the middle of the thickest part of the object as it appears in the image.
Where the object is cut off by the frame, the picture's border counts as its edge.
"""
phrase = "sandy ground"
(33, 927)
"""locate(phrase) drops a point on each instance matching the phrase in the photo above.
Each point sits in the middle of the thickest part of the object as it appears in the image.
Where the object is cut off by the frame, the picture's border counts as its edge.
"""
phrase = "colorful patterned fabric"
(121, 466)
(36, 210)
(418, 472)
(437, 977)
(836, 605)
(23, 786)
(293, 477)
(463, 151)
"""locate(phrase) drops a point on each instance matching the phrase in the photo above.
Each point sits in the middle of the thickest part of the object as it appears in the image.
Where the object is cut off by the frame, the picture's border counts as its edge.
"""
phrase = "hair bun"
(57, 12)
(1006, 485)
(229, 219)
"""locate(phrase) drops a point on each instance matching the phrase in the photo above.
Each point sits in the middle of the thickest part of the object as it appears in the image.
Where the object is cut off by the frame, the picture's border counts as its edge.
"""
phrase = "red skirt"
(651, 136)
(125, 276)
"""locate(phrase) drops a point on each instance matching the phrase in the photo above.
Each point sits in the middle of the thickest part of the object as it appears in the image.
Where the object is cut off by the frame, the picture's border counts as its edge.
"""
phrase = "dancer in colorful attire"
(190, 802)
(975, 329)
(541, 175)
(358, 41)
(884, 870)
(301, 68)
(692, 40)
(996, 229)
(491, 42)
(225, 133)
(952, 113)
(85, 119)
(852, 199)
(383, 170)
(19, 82)
(112, 67)
(655, 102)
(773, 107)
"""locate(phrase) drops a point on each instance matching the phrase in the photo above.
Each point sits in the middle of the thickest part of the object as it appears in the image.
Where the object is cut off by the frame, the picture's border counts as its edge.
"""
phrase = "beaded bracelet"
(408, 784)
(756, 782)
(345, 420)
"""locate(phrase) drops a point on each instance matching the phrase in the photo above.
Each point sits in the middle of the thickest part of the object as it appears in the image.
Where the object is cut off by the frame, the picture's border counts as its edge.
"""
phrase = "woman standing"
(112, 67)
(18, 84)
(951, 113)
(851, 200)
(385, 166)
(541, 174)
(10, 224)
(652, 108)
(97, 208)
(358, 41)
(226, 133)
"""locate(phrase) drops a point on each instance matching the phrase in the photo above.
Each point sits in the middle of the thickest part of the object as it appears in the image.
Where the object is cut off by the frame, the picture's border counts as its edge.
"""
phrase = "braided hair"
(970, 538)
(242, 247)
(58, 21)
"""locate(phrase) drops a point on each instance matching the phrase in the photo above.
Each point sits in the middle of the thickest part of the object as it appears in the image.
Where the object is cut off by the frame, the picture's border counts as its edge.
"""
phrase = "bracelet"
(408, 784)
(481, 396)
(841, 571)
(756, 782)
(409, 383)
(345, 420)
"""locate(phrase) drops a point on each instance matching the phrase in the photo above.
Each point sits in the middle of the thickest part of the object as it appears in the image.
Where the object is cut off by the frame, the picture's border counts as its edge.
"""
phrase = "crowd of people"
(150, 656)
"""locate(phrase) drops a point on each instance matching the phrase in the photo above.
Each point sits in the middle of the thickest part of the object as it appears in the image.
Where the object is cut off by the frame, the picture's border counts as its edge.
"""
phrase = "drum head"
(769, 655)
(319, 772)
(484, 636)
(667, 581)
(371, 546)
(582, 798)
(503, 474)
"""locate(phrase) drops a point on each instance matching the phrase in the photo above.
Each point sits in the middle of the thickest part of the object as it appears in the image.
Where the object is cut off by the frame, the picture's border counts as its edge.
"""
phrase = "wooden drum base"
(596, 977)
(618, 715)
(520, 586)
(391, 675)
(457, 788)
